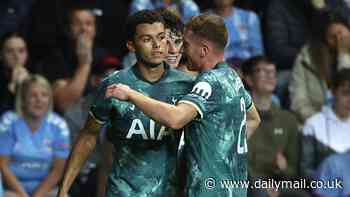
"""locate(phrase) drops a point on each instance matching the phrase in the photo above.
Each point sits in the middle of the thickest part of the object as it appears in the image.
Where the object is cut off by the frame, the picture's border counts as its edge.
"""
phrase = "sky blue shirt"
(187, 8)
(1, 188)
(335, 167)
(245, 38)
(31, 153)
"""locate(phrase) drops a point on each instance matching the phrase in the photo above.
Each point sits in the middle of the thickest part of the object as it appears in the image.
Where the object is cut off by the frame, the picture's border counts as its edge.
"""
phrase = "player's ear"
(131, 46)
(204, 50)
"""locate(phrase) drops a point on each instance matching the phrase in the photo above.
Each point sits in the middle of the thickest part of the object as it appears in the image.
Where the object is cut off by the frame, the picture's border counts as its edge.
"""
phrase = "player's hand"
(119, 91)
(84, 49)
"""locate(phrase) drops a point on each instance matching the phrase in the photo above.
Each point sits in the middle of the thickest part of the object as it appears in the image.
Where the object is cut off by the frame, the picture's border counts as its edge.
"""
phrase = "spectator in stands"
(186, 8)
(273, 147)
(288, 25)
(34, 142)
(287, 30)
(316, 65)
(245, 39)
(70, 66)
(334, 170)
(327, 132)
(13, 58)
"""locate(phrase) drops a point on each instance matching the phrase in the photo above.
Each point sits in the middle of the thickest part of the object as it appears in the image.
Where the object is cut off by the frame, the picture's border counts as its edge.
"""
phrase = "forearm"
(84, 146)
(71, 92)
(163, 113)
(11, 181)
(105, 167)
(52, 180)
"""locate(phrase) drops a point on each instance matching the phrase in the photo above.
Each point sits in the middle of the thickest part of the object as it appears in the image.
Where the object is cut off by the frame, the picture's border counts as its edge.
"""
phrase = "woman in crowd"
(316, 65)
(13, 59)
(34, 142)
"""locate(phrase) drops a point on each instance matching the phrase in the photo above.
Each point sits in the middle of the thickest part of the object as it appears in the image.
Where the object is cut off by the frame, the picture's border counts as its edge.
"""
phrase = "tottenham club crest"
(203, 89)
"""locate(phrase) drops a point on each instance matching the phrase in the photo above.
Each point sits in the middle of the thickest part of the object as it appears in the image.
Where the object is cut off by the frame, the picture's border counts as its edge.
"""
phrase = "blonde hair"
(23, 89)
(210, 27)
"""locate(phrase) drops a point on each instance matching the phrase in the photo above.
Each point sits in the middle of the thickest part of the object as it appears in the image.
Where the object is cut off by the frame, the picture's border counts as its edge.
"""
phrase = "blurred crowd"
(293, 55)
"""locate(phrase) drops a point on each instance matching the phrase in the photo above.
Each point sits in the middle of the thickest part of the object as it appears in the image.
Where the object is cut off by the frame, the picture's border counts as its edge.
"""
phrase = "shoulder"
(245, 12)
(56, 121)
(313, 123)
(190, 4)
(209, 75)
(116, 76)
(304, 61)
(287, 115)
(179, 75)
(7, 120)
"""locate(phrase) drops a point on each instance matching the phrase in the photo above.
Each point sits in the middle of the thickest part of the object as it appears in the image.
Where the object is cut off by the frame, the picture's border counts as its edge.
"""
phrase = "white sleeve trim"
(250, 107)
(194, 105)
(94, 117)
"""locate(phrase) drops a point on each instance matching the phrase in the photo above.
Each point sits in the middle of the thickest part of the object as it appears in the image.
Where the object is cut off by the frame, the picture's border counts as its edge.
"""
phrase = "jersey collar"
(139, 76)
(221, 65)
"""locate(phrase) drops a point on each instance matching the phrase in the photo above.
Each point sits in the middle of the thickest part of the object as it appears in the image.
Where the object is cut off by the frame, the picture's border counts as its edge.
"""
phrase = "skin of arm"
(175, 117)
(253, 121)
(10, 179)
(85, 144)
(52, 179)
(67, 92)
(105, 167)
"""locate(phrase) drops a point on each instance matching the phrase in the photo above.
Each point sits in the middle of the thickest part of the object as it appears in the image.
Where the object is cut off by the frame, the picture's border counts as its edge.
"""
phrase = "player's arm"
(175, 117)
(253, 120)
(84, 145)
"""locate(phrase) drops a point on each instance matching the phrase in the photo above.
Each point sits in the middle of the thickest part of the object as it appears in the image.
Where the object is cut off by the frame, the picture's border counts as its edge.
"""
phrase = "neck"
(224, 10)
(262, 101)
(151, 73)
(33, 122)
(341, 114)
(211, 62)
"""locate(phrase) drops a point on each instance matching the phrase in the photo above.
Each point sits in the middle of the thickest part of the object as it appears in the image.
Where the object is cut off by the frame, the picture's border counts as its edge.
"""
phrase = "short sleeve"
(247, 99)
(101, 106)
(201, 96)
(7, 137)
(61, 145)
